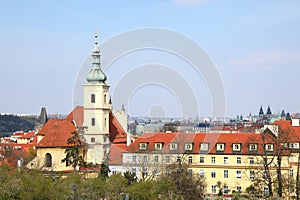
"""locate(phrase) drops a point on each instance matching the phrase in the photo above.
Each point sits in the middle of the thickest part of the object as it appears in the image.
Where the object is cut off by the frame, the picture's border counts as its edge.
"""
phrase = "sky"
(254, 46)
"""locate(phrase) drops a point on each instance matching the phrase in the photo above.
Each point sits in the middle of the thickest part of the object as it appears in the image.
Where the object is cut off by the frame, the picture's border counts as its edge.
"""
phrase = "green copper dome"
(96, 75)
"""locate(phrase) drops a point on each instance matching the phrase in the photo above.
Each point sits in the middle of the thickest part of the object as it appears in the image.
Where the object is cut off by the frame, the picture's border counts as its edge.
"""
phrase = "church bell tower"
(96, 111)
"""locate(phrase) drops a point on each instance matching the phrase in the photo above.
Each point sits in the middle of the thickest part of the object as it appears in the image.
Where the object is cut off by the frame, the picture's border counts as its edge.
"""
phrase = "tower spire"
(96, 75)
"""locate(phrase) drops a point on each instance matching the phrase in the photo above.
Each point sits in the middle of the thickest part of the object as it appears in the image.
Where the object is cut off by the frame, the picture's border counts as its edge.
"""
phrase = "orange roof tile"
(56, 133)
(117, 133)
(76, 115)
(115, 154)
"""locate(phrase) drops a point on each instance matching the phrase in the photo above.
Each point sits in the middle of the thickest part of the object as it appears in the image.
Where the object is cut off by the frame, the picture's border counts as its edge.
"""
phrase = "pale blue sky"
(254, 44)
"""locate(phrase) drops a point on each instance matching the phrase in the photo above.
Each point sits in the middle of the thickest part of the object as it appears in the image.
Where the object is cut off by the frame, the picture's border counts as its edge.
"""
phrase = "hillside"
(12, 123)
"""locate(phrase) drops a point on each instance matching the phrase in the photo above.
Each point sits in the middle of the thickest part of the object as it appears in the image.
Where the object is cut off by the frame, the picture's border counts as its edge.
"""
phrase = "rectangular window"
(251, 160)
(213, 160)
(291, 173)
(239, 188)
(190, 172)
(225, 160)
(253, 147)
(225, 173)
(226, 189)
(213, 173)
(251, 175)
(201, 173)
(294, 145)
(114, 172)
(133, 170)
(173, 146)
(188, 146)
(158, 146)
(155, 158)
(238, 160)
(168, 172)
(190, 160)
(143, 146)
(269, 147)
(266, 191)
(220, 147)
(145, 172)
(93, 121)
(167, 159)
(145, 159)
(93, 98)
(236, 147)
(201, 159)
(238, 174)
(204, 147)
(213, 189)
(133, 159)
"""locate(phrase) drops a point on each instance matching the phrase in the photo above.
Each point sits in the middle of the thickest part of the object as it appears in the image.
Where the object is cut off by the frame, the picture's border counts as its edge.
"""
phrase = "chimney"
(295, 122)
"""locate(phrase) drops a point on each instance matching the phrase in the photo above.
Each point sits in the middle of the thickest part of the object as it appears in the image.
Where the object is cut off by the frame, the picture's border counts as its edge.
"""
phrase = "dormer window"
(294, 145)
(204, 147)
(158, 146)
(220, 147)
(188, 146)
(143, 146)
(252, 147)
(173, 146)
(236, 147)
(269, 147)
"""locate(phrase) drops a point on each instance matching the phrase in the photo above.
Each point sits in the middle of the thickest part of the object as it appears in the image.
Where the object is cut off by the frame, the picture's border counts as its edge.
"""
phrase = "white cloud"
(188, 2)
(269, 57)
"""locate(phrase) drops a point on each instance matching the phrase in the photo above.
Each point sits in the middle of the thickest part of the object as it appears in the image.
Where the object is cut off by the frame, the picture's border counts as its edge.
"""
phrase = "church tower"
(96, 111)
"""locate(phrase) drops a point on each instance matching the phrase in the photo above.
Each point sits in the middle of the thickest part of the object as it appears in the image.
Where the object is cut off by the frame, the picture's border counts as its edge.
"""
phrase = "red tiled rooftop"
(56, 133)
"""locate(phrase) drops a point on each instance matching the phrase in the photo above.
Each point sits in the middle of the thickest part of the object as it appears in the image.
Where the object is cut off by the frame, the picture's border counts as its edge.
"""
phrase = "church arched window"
(48, 160)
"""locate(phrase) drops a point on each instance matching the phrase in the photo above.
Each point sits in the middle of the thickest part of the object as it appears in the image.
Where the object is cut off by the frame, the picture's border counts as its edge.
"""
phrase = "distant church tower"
(96, 111)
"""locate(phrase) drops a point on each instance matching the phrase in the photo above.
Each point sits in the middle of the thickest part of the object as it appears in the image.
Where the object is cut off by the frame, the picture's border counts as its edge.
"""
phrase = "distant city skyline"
(254, 45)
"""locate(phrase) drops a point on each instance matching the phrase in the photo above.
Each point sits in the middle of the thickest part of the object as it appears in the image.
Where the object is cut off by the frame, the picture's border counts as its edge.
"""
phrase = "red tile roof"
(76, 115)
(115, 154)
(56, 133)
(117, 133)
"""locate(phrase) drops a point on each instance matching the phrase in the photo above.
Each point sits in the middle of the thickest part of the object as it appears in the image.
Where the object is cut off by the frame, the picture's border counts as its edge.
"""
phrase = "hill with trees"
(12, 123)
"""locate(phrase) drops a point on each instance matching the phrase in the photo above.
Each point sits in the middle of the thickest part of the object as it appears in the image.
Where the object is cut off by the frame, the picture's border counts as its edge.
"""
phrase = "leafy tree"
(131, 177)
(73, 156)
(104, 171)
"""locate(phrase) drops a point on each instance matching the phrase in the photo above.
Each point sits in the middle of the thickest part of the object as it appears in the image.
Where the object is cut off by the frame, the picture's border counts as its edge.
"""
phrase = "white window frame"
(213, 174)
(294, 145)
(134, 158)
(238, 160)
(236, 147)
(201, 159)
(251, 161)
(173, 146)
(143, 146)
(238, 174)
(214, 189)
(220, 147)
(213, 160)
(201, 173)
(252, 175)
(167, 159)
(188, 146)
(158, 146)
(252, 147)
(225, 160)
(225, 173)
(190, 159)
(239, 188)
(226, 189)
(269, 147)
(156, 158)
(204, 146)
